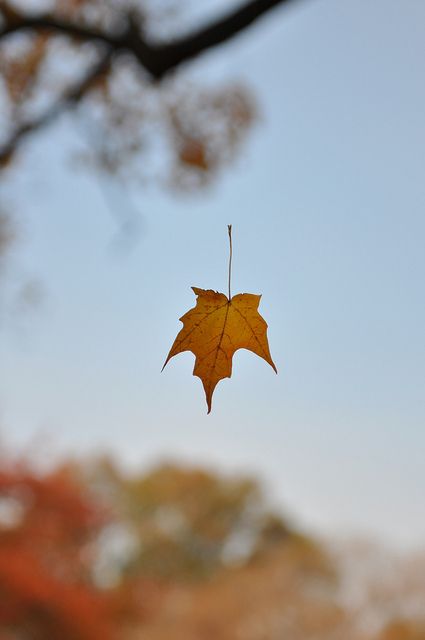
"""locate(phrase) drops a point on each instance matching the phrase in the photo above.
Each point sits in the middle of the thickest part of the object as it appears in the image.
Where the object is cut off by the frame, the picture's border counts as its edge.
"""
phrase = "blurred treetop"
(114, 56)
(90, 551)
(187, 523)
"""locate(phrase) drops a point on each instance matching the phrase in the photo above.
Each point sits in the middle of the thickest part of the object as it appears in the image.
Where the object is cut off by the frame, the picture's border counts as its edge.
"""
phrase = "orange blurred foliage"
(48, 532)
(89, 552)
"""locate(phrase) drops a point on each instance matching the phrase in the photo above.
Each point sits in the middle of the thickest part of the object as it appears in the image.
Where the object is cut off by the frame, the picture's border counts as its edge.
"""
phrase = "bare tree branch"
(174, 54)
(158, 60)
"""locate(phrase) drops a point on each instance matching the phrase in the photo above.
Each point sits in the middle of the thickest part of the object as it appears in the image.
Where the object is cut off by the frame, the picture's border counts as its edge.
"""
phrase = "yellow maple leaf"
(217, 327)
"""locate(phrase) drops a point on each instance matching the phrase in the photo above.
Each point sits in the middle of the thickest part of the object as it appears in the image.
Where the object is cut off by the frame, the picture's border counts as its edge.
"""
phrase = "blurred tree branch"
(157, 60)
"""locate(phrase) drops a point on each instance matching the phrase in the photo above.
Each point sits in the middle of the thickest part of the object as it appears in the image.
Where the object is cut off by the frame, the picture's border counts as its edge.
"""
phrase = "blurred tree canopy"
(88, 551)
(48, 530)
(116, 61)
(186, 524)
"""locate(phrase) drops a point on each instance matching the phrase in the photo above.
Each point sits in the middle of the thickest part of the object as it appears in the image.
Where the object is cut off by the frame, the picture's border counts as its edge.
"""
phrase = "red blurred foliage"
(48, 529)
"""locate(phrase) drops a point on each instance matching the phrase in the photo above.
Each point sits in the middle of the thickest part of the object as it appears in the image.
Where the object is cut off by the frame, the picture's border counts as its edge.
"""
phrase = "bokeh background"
(322, 180)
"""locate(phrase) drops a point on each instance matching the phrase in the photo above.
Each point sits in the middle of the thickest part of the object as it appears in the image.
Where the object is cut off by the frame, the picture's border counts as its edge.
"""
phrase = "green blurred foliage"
(188, 523)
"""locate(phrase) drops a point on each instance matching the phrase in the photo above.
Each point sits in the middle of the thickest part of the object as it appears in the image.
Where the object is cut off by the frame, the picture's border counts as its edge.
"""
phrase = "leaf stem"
(229, 229)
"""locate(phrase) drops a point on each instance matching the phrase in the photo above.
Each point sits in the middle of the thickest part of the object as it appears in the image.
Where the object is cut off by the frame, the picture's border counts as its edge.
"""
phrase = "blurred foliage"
(48, 529)
(89, 552)
(187, 524)
(404, 630)
(176, 132)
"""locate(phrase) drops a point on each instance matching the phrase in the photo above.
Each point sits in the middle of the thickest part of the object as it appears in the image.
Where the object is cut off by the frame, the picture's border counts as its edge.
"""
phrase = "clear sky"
(327, 205)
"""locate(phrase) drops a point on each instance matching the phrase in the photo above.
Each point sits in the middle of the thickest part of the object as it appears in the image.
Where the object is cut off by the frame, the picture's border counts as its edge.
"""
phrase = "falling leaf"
(217, 327)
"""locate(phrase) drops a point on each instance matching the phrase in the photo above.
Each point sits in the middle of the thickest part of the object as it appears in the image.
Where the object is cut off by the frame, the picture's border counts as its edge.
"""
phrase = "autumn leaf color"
(215, 329)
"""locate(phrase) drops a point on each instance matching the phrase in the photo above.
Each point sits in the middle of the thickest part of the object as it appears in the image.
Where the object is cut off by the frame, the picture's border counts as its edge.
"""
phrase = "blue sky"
(327, 205)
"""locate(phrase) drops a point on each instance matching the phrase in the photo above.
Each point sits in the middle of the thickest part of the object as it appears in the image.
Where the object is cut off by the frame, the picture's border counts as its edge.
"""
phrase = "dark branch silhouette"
(157, 60)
